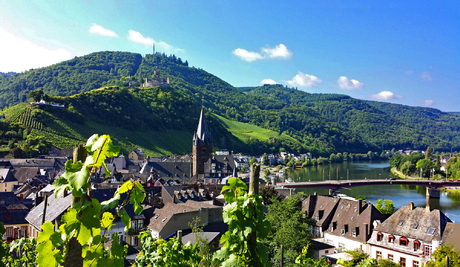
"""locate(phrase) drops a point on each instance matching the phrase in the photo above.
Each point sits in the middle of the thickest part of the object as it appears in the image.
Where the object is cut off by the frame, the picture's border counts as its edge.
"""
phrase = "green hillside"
(94, 89)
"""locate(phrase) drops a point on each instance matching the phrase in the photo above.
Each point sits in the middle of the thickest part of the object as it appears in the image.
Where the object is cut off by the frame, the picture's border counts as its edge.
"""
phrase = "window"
(415, 226)
(403, 241)
(427, 250)
(431, 231)
(390, 257)
(140, 224)
(416, 245)
(402, 262)
(134, 241)
(391, 239)
(23, 231)
(415, 264)
(401, 223)
(379, 237)
(9, 232)
(379, 255)
(134, 224)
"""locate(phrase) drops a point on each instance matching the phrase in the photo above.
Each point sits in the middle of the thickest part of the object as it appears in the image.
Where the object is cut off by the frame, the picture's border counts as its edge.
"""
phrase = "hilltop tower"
(202, 147)
(154, 49)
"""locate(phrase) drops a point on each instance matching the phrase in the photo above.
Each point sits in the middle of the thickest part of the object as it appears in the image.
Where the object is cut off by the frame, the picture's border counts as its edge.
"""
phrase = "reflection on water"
(400, 194)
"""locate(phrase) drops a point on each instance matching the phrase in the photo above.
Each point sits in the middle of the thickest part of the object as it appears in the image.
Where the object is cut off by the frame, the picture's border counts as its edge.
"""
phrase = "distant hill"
(95, 91)
(7, 74)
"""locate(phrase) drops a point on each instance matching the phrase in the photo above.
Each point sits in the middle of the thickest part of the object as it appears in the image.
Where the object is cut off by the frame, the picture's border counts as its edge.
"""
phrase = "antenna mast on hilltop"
(154, 49)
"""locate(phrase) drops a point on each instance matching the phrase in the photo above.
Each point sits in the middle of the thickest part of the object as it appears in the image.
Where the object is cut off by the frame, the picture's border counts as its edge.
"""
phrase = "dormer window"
(391, 239)
(416, 245)
(403, 241)
(379, 237)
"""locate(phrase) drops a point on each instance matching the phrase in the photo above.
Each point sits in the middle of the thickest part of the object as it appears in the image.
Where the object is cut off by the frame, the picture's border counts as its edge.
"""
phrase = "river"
(400, 194)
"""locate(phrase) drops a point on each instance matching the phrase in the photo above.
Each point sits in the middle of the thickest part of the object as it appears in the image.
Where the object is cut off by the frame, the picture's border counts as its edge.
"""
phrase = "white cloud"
(99, 30)
(18, 54)
(426, 76)
(279, 51)
(268, 81)
(304, 80)
(137, 37)
(345, 83)
(247, 55)
(385, 95)
(427, 103)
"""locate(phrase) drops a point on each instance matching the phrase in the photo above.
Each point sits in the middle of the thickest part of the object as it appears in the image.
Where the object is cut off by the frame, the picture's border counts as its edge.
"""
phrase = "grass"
(244, 131)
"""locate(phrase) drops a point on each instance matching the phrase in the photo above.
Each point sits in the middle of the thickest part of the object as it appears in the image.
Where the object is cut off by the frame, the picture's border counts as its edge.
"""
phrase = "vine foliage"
(80, 237)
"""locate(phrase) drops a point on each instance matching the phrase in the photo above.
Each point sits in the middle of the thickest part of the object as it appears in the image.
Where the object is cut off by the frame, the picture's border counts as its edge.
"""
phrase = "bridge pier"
(433, 193)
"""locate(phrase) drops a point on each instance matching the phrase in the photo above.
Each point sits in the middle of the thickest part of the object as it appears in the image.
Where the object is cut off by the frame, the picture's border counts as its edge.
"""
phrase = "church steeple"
(202, 135)
(202, 146)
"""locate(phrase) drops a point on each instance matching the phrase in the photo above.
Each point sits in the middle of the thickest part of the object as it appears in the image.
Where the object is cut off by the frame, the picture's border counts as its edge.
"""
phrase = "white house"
(409, 236)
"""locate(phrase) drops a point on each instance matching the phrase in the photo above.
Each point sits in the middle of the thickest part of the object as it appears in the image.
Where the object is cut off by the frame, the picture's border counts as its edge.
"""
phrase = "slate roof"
(26, 173)
(202, 135)
(56, 206)
(451, 235)
(313, 204)
(6, 176)
(223, 164)
(418, 216)
(211, 236)
(43, 163)
(168, 170)
(12, 211)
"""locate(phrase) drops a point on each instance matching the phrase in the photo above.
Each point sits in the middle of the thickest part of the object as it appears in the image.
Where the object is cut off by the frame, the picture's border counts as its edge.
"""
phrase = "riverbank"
(399, 174)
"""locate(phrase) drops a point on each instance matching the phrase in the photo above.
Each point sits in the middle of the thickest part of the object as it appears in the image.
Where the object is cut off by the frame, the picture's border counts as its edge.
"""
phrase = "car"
(391, 179)
(450, 180)
(457, 180)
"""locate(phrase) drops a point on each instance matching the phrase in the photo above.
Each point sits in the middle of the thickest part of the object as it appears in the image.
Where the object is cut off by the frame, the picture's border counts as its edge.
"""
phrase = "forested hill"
(299, 121)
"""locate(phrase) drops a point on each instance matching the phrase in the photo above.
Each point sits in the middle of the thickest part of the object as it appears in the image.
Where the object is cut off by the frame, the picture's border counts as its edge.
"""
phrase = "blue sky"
(405, 52)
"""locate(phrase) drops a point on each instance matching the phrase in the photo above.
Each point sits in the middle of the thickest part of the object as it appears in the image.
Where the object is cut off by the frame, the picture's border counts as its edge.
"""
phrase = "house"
(168, 170)
(25, 174)
(321, 209)
(218, 167)
(12, 215)
(410, 235)
(56, 206)
(7, 180)
(172, 217)
(136, 154)
(344, 223)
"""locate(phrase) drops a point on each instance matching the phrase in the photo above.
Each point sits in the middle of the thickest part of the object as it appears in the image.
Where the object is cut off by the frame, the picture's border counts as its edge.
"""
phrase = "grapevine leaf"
(117, 249)
(111, 203)
(102, 149)
(107, 219)
(70, 216)
(247, 231)
(59, 185)
(125, 218)
(128, 185)
(46, 254)
(91, 141)
(84, 234)
(47, 231)
(77, 175)
(139, 186)
(96, 205)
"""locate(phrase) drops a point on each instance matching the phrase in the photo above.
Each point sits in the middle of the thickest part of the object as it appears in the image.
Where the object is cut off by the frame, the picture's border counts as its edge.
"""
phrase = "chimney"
(411, 205)
(360, 206)
(427, 209)
(64, 193)
(22, 198)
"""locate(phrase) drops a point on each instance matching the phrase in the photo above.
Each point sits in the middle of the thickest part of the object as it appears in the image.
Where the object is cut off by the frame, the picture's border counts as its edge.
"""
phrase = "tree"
(395, 160)
(428, 153)
(36, 95)
(265, 159)
(439, 257)
(289, 228)
(17, 153)
(408, 168)
(386, 208)
(252, 161)
(425, 165)
(269, 194)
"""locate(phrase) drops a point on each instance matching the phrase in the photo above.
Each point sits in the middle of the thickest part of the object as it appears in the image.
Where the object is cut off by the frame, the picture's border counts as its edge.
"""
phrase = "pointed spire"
(202, 135)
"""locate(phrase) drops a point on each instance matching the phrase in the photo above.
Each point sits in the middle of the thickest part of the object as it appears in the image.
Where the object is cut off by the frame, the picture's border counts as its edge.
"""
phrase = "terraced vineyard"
(28, 121)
